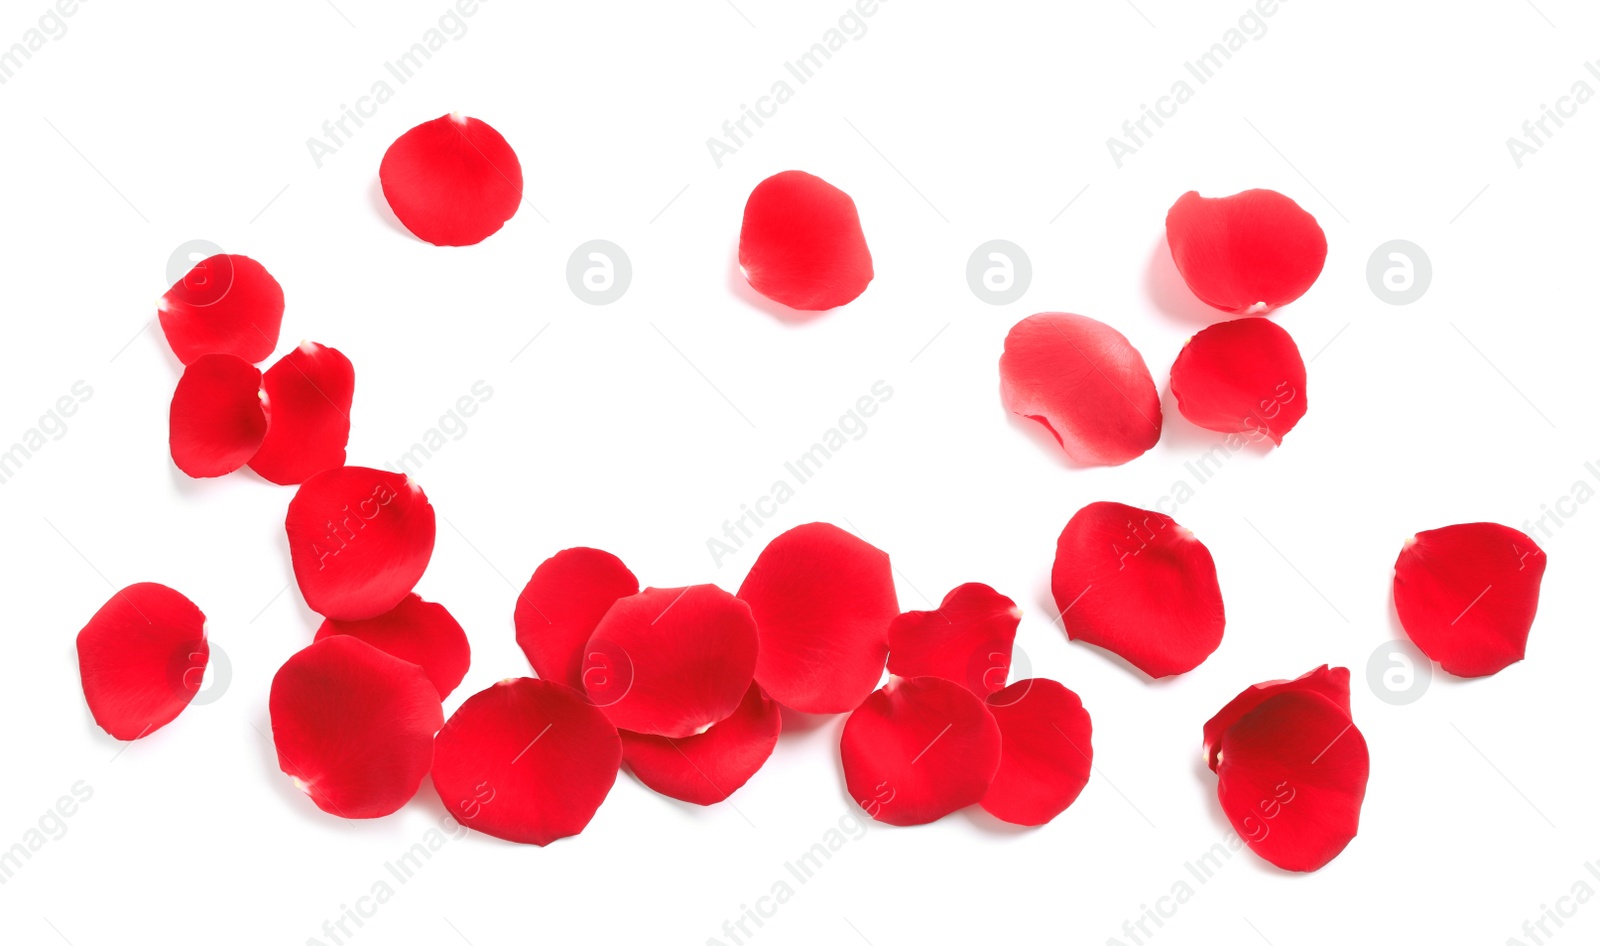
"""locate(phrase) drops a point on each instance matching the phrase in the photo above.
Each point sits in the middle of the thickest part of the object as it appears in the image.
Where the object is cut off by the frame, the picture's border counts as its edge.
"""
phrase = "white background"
(639, 427)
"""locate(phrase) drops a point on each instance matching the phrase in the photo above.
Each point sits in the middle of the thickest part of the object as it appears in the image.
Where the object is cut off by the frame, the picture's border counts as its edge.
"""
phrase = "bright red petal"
(354, 726)
(1085, 383)
(141, 658)
(1330, 682)
(452, 181)
(966, 640)
(919, 749)
(359, 540)
(226, 305)
(526, 760)
(1244, 376)
(707, 768)
(310, 391)
(417, 631)
(218, 417)
(1045, 751)
(1139, 585)
(1467, 595)
(823, 600)
(801, 243)
(1251, 252)
(562, 603)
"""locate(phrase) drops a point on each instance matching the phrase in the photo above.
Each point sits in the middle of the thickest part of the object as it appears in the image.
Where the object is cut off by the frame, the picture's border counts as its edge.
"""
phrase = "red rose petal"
(1140, 585)
(526, 760)
(1085, 383)
(354, 726)
(227, 304)
(359, 540)
(1045, 751)
(310, 391)
(823, 600)
(218, 417)
(417, 631)
(707, 768)
(671, 661)
(1251, 252)
(967, 639)
(1244, 376)
(452, 181)
(141, 658)
(1291, 778)
(919, 749)
(562, 603)
(1330, 682)
(801, 243)
(1467, 595)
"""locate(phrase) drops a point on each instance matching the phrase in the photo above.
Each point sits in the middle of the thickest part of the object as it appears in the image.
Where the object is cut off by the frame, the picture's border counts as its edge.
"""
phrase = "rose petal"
(801, 243)
(1140, 585)
(1467, 594)
(1251, 252)
(452, 181)
(417, 631)
(310, 391)
(823, 600)
(967, 639)
(707, 768)
(141, 658)
(561, 605)
(359, 540)
(354, 726)
(219, 416)
(227, 304)
(1332, 683)
(526, 760)
(1045, 751)
(1244, 376)
(1085, 383)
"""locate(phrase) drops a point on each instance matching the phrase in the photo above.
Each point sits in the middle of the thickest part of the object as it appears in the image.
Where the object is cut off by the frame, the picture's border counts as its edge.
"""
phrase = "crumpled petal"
(310, 391)
(219, 416)
(141, 659)
(562, 604)
(227, 304)
(453, 181)
(1330, 682)
(1045, 751)
(707, 768)
(967, 639)
(1244, 376)
(359, 540)
(1251, 252)
(801, 243)
(417, 631)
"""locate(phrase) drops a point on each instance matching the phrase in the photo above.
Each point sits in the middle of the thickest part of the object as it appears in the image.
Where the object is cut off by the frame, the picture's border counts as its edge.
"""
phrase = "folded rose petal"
(801, 243)
(919, 749)
(562, 604)
(417, 631)
(310, 391)
(1244, 376)
(225, 305)
(1330, 682)
(822, 600)
(219, 416)
(1045, 751)
(1467, 594)
(967, 639)
(1140, 585)
(707, 768)
(452, 181)
(141, 659)
(1251, 252)
(526, 760)
(1082, 380)
(1291, 778)
(359, 540)
(671, 661)
(354, 726)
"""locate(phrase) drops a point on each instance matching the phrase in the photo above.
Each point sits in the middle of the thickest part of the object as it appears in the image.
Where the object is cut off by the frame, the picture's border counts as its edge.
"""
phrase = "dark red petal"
(1291, 779)
(354, 726)
(452, 181)
(1085, 383)
(919, 749)
(1139, 585)
(218, 416)
(707, 768)
(141, 658)
(1250, 252)
(359, 540)
(417, 631)
(671, 661)
(1244, 376)
(1467, 595)
(562, 603)
(801, 243)
(966, 640)
(1330, 682)
(227, 304)
(1045, 751)
(823, 600)
(310, 391)
(526, 760)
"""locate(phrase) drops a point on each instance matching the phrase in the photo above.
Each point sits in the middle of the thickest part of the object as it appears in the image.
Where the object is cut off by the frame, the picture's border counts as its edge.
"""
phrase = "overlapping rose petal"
(967, 639)
(310, 391)
(1330, 682)
(1251, 252)
(226, 304)
(1467, 594)
(801, 243)
(1244, 376)
(562, 604)
(219, 416)
(452, 181)
(359, 540)
(707, 768)
(417, 631)
(1046, 752)
(141, 658)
